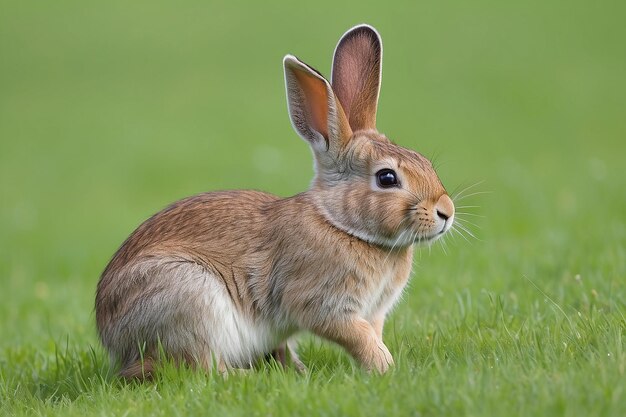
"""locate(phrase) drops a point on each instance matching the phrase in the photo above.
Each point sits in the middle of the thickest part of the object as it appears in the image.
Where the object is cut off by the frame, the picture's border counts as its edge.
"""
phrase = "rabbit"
(223, 279)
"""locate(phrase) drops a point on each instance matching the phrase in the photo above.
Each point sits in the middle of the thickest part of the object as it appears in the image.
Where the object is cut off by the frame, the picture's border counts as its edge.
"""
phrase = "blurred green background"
(111, 110)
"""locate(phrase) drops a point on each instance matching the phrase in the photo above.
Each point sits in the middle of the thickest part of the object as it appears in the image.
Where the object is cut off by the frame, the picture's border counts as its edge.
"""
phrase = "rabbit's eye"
(387, 178)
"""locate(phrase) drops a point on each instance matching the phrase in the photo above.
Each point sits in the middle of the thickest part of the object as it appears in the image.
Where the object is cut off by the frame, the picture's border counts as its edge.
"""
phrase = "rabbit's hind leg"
(140, 370)
(285, 353)
(175, 312)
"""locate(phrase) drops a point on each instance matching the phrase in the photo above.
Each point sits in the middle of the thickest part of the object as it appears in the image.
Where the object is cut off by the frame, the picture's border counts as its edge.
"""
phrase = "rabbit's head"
(365, 185)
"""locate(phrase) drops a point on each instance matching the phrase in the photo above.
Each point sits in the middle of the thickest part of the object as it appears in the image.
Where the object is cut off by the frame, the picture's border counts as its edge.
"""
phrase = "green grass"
(109, 112)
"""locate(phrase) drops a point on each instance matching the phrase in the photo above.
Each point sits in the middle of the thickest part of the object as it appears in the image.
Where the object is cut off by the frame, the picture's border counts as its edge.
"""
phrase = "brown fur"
(222, 269)
(139, 370)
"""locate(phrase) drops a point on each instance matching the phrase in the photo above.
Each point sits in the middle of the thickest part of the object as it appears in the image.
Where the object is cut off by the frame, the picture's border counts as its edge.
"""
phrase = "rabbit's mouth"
(427, 239)
(447, 225)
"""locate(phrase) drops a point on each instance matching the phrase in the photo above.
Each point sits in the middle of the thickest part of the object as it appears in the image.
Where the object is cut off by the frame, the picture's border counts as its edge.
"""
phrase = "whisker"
(469, 187)
(434, 159)
(468, 222)
(466, 207)
(457, 231)
(394, 244)
(420, 254)
(465, 213)
(453, 230)
(460, 188)
(454, 234)
(442, 243)
(471, 195)
(466, 230)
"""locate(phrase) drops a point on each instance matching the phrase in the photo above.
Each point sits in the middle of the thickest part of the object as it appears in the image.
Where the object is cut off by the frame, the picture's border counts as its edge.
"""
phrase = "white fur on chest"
(383, 295)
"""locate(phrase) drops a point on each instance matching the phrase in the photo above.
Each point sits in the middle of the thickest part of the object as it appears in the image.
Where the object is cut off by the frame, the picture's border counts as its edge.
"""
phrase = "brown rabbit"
(228, 277)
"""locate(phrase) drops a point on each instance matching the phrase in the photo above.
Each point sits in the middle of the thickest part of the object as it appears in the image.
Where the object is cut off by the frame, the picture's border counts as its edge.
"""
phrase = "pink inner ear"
(349, 77)
(316, 101)
(356, 77)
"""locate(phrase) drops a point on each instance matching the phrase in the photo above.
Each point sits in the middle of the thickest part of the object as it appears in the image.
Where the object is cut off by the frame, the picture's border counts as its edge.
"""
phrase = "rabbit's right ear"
(356, 75)
(316, 115)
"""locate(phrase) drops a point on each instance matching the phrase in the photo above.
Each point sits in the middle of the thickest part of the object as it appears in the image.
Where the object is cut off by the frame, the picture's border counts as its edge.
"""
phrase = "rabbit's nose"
(444, 207)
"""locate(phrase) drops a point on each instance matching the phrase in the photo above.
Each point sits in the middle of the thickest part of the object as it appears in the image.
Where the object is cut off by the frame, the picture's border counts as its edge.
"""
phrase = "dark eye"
(386, 178)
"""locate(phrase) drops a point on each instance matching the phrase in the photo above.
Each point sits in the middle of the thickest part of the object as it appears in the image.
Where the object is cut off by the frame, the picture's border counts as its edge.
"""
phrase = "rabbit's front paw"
(381, 359)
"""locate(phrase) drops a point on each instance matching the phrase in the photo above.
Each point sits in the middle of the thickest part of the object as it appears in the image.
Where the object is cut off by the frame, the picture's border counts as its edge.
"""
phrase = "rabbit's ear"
(315, 113)
(356, 75)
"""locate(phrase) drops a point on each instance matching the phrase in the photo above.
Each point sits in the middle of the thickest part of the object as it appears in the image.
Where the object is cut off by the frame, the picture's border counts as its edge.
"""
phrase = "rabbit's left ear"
(314, 111)
(356, 75)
